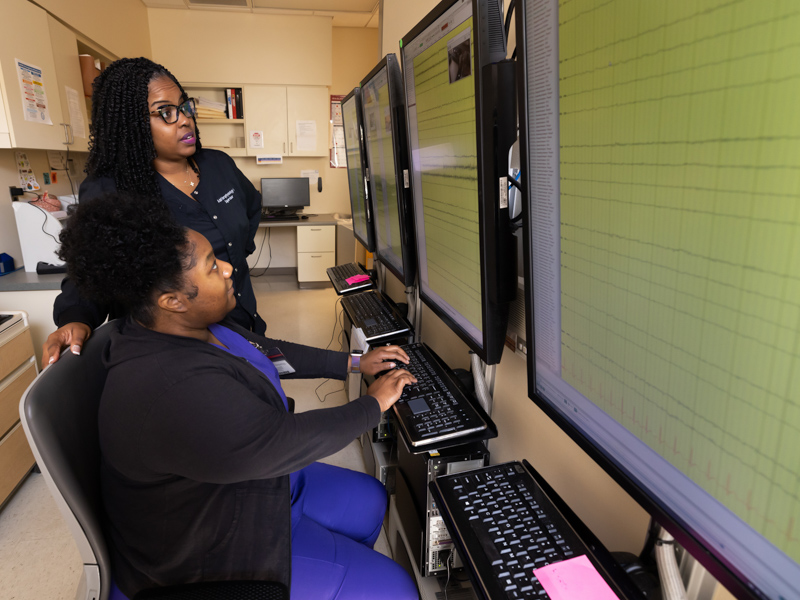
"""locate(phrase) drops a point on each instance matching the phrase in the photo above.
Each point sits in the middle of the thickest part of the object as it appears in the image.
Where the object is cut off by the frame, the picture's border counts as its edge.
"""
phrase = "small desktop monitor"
(461, 114)
(285, 195)
(352, 119)
(387, 160)
(662, 271)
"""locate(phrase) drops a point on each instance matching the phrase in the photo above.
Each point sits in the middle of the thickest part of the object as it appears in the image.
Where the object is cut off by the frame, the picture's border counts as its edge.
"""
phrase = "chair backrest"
(59, 415)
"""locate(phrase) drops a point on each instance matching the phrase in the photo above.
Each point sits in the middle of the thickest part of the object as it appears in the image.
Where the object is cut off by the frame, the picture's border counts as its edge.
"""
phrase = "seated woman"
(206, 475)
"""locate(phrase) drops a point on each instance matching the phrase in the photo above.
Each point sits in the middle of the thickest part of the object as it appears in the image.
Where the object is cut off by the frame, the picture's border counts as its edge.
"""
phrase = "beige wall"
(118, 26)
(239, 48)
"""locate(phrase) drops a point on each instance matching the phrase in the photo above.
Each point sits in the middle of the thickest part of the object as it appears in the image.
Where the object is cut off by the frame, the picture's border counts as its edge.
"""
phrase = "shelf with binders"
(220, 133)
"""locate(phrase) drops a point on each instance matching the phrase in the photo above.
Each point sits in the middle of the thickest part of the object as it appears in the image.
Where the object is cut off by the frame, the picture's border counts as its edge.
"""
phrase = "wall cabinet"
(279, 111)
(35, 38)
(275, 111)
(17, 371)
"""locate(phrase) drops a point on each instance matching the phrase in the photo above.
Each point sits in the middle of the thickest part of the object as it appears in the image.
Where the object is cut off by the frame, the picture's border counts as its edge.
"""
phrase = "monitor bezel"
(397, 105)
(498, 254)
(369, 241)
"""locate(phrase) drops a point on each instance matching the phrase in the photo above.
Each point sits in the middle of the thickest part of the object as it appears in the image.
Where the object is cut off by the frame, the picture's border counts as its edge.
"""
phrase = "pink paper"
(356, 279)
(574, 579)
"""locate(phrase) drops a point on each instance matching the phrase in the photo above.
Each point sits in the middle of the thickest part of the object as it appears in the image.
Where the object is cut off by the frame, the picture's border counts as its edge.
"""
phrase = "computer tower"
(434, 544)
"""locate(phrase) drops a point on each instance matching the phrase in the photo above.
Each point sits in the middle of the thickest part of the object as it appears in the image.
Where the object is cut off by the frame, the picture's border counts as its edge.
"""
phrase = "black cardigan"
(227, 212)
(196, 450)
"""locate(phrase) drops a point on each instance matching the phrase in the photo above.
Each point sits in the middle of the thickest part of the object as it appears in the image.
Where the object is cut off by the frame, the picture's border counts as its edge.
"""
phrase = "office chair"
(59, 416)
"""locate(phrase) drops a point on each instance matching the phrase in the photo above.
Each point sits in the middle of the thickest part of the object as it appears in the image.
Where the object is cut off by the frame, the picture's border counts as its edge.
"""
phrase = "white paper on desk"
(34, 98)
(306, 136)
(75, 113)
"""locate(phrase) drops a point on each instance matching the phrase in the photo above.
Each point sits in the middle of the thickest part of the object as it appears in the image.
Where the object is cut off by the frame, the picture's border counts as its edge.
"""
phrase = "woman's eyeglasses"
(169, 112)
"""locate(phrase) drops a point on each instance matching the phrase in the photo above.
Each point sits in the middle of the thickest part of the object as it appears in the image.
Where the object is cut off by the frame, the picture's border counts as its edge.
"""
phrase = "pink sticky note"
(574, 579)
(356, 279)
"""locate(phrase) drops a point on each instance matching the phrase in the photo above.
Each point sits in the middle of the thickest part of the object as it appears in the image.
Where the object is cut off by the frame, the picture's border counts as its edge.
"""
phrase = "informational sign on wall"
(34, 96)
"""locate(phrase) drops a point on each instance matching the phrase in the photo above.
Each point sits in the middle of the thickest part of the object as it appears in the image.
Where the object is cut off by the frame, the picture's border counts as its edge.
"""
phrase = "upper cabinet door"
(265, 112)
(25, 38)
(309, 120)
(68, 73)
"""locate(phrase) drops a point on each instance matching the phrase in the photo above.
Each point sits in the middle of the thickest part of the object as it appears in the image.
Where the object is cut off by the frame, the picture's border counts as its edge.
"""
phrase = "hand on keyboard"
(387, 389)
(382, 358)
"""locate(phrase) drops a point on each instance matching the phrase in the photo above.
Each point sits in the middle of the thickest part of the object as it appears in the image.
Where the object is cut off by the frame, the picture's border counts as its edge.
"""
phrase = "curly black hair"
(120, 141)
(126, 248)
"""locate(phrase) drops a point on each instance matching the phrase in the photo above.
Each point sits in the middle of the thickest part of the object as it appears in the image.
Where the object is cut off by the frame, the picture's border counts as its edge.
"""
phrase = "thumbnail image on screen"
(355, 173)
(442, 135)
(383, 182)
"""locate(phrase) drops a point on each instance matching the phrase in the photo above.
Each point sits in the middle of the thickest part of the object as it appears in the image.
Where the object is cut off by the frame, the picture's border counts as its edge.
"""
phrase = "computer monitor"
(387, 159)
(285, 195)
(352, 118)
(662, 237)
(460, 102)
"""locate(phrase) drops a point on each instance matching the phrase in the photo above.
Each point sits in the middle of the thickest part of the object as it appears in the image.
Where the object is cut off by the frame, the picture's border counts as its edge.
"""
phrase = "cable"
(509, 14)
(336, 323)
(268, 238)
(672, 587)
(44, 212)
(481, 389)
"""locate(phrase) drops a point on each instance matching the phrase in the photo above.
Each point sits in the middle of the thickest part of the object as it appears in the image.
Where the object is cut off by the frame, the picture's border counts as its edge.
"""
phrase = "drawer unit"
(316, 252)
(320, 238)
(312, 266)
(11, 390)
(17, 371)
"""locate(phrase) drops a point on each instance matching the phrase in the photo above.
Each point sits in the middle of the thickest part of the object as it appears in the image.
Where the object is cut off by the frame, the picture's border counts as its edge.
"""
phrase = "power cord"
(268, 239)
(44, 212)
(338, 322)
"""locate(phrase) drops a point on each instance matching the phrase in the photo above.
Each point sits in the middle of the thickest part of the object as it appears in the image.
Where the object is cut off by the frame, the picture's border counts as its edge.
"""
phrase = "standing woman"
(144, 139)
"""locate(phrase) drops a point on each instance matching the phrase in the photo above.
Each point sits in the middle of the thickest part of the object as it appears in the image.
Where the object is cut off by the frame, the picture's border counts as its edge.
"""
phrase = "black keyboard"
(434, 409)
(506, 526)
(374, 316)
(339, 275)
(268, 216)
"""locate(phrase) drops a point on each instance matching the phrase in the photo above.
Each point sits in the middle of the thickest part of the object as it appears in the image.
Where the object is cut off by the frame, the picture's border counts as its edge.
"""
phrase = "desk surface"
(22, 281)
(311, 220)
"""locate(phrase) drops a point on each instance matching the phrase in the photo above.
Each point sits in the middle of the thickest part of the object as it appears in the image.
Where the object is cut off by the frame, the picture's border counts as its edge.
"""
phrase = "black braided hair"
(120, 141)
(126, 248)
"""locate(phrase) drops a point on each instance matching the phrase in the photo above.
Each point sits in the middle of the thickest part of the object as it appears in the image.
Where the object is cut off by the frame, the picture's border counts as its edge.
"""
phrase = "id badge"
(280, 362)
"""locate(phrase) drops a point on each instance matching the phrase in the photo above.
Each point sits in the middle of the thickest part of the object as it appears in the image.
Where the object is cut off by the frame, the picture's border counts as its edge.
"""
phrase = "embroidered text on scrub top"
(226, 198)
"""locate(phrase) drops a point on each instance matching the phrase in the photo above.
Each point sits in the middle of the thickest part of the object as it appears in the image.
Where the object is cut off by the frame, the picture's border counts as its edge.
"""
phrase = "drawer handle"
(316, 229)
(317, 256)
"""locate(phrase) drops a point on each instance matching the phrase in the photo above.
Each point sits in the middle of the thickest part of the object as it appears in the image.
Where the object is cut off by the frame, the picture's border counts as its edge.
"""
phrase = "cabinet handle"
(284, 147)
(316, 229)
(291, 148)
(66, 134)
(71, 134)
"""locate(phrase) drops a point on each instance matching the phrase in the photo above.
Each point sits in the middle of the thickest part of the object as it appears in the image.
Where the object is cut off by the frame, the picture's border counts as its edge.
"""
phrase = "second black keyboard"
(508, 526)
(373, 316)
(435, 408)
